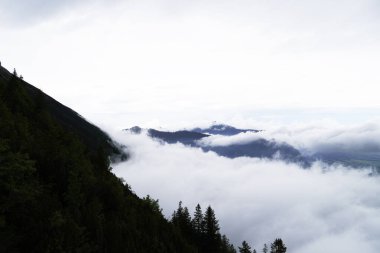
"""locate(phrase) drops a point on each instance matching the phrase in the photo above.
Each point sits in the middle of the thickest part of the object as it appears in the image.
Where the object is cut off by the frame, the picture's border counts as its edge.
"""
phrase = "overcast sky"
(167, 63)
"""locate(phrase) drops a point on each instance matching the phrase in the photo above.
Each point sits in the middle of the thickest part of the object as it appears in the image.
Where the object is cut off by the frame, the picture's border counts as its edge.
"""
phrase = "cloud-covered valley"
(326, 208)
(312, 138)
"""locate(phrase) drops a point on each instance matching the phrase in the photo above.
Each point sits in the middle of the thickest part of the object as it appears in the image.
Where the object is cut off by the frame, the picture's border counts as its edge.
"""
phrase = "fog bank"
(322, 209)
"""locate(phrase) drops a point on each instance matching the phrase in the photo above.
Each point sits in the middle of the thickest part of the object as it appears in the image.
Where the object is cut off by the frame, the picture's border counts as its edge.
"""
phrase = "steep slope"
(57, 191)
(71, 121)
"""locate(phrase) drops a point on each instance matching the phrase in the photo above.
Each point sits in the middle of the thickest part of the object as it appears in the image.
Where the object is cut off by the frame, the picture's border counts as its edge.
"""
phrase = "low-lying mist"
(312, 138)
(322, 209)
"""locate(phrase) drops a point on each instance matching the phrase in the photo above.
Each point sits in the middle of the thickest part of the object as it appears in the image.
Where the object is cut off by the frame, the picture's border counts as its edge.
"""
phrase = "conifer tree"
(197, 221)
(226, 246)
(245, 248)
(185, 223)
(212, 236)
(181, 218)
(176, 214)
(277, 246)
(211, 223)
(186, 216)
(265, 249)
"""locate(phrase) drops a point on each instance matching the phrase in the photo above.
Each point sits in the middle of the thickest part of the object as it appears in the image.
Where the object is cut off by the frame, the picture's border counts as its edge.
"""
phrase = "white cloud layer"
(331, 136)
(320, 210)
(311, 137)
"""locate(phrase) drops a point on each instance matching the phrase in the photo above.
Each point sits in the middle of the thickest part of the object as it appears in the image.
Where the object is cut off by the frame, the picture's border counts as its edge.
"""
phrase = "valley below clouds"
(323, 208)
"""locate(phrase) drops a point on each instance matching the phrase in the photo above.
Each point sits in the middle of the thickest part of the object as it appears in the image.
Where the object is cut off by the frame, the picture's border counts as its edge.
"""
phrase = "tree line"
(203, 230)
(277, 246)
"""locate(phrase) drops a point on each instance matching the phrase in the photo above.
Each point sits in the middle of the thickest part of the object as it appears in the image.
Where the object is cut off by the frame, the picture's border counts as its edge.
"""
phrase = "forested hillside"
(58, 193)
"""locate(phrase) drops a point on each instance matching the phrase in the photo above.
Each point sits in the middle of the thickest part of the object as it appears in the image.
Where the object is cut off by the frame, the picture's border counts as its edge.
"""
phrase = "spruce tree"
(278, 246)
(186, 216)
(197, 221)
(212, 236)
(226, 246)
(182, 220)
(265, 249)
(211, 223)
(245, 248)
(177, 214)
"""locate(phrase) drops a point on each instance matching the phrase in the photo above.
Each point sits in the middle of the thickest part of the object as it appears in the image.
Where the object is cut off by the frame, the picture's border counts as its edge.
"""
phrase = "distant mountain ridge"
(223, 129)
(260, 148)
(183, 136)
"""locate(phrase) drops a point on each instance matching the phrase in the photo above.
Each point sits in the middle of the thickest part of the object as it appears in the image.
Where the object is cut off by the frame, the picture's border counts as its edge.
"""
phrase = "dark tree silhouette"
(226, 246)
(245, 248)
(212, 236)
(265, 249)
(197, 221)
(277, 246)
(182, 220)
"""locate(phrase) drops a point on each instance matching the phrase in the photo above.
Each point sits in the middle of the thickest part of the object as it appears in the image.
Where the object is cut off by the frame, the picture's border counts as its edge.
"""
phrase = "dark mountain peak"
(256, 148)
(183, 136)
(134, 130)
(222, 129)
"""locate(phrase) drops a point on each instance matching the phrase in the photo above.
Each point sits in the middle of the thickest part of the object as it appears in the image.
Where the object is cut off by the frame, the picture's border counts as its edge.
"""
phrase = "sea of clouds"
(312, 138)
(321, 209)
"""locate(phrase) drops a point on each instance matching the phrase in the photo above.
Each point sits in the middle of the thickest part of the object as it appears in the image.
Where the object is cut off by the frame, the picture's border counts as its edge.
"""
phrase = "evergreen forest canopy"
(58, 193)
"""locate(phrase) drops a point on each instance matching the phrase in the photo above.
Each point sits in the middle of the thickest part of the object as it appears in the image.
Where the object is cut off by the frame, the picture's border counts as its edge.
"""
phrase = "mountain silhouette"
(259, 148)
(222, 129)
